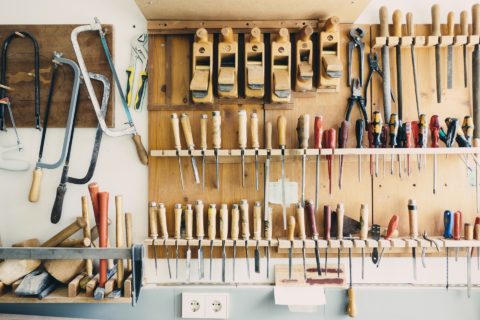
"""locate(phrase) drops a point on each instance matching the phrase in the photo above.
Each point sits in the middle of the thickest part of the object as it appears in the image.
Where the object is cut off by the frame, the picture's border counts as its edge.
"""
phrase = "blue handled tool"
(447, 233)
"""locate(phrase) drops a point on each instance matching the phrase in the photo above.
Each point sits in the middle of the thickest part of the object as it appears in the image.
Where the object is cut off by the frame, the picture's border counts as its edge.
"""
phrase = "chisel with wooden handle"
(327, 223)
(392, 227)
(302, 235)
(464, 32)
(255, 142)
(245, 229)
(188, 237)
(223, 234)
(397, 32)
(216, 141)
(268, 237)
(413, 223)
(291, 231)
(303, 134)
(87, 233)
(177, 144)
(103, 235)
(162, 218)
(437, 33)
(234, 233)
(212, 231)
(387, 107)
(363, 232)
(340, 216)
(450, 32)
(203, 144)
(309, 208)
(282, 143)
(119, 238)
(153, 227)
(242, 139)
(187, 133)
(318, 136)
(200, 234)
(411, 33)
(177, 213)
(469, 236)
(257, 232)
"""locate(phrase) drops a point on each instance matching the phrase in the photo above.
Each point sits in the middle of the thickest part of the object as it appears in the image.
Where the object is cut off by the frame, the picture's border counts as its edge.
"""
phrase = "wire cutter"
(356, 36)
(356, 97)
(374, 67)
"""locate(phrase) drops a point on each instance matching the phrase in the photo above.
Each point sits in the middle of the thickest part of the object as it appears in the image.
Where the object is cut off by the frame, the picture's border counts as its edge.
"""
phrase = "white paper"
(300, 299)
(275, 192)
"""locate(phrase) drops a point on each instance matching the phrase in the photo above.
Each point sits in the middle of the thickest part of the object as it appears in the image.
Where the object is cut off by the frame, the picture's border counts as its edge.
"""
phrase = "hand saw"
(130, 129)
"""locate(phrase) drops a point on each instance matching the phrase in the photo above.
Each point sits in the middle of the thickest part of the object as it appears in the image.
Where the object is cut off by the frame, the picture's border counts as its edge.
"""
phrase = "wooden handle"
(203, 131)
(176, 131)
(34, 193)
(65, 233)
(201, 35)
(162, 218)
(128, 236)
(451, 23)
(224, 221)
(331, 25)
(119, 238)
(283, 35)
(244, 219)
(141, 151)
(340, 216)
(410, 25)
(189, 222)
(257, 221)
(301, 221)
(255, 35)
(227, 34)
(242, 129)
(94, 189)
(327, 221)
(413, 218)
(383, 22)
(476, 229)
(187, 130)
(468, 231)
(234, 224)
(282, 131)
(351, 307)
(318, 132)
(268, 224)
(103, 235)
(363, 222)
(87, 233)
(152, 220)
(397, 23)
(212, 221)
(436, 21)
(199, 219)
(476, 20)
(254, 130)
(216, 130)
(177, 212)
(291, 228)
(268, 135)
(464, 23)
(392, 226)
(305, 33)
(303, 130)
(457, 225)
(310, 209)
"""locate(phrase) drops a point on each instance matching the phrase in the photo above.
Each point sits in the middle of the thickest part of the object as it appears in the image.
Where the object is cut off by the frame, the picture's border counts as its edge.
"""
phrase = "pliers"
(356, 36)
(425, 236)
(356, 97)
(374, 67)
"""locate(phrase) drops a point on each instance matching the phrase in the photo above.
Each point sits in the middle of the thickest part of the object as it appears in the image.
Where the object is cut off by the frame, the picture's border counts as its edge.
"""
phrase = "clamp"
(356, 35)
(356, 97)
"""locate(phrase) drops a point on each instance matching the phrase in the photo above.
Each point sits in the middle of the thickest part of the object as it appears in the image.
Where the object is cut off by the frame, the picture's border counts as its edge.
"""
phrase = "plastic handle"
(257, 221)
(476, 229)
(397, 23)
(408, 134)
(212, 221)
(410, 25)
(303, 131)
(269, 135)
(234, 223)
(327, 222)
(359, 131)
(413, 218)
(176, 131)
(291, 228)
(383, 21)
(203, 131)
(282, 131)
(436, 20)
(340, 218)
(162, 218)
(392, 226)
(187, 130)
(377, 128)
(254, 130)
(457, 225)
(242, 129)
(224, 221)
(152, 220)
(451, 24)
(244, 219)
(188, 222)
(318, 131)
(177, 211)
(342, 142)
(393, 129)
(467, 127)
(363, 222)
(34, 193)
(448, 224)
(310, 210)
(434, 130)
(468, 231)
(216, 129)
(422, 131)
(199, 219)
(301, 221)
(331, 139)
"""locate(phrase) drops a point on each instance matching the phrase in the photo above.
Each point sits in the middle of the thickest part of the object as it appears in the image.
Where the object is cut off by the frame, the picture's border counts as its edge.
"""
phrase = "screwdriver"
(313, 229)
(340, 216)
(327, 223)
(392, 227)
(282, 142)
(223, 234)
(476, 236)
(413, 222)
(178, 146)
(245, 229)
(330, 142)
(468, 231)
(178, 223)
(188, 237)
(212, 231)
(408, 143)
(383, 144)
(363, 231)
(415, 140)
(153, 227)
(303, 135)
(342, 143)
(400, 144)
(187, 133)
(435, 134)
(393, 125)
(302, 235)
(457, 229)
(422, 136)
(216, 140)
(234, 233)
(242, 139)
(257, 232)
(200, 234)
(255, 142)
(203, 144)
(359, 129)
(318, 135)
(162, 217)
(377, 130)
(467, 128)
(447, 234)
(291, 230)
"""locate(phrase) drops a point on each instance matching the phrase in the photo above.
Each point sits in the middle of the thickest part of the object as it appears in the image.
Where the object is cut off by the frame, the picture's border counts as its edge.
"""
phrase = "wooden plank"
(91, 285)
(127, 287)
(110, 285)
(20, 64)
(74, 286)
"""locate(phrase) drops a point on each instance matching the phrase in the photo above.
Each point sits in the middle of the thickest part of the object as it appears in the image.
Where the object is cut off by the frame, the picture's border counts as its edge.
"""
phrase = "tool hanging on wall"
(476, 71)
(327, 224)
(356, 42)
(36, 76)
(434, 134)
(254, 64)
(216, 141)
(255, 142)
(376, 132)
(304, 59)
(330, 143)
(281, 51)
(177, 143)
(202, 68)
(393, 126)
(62, 187)
(411, 33)
(303, 135)
(464, 32)
(413, 223)
(291, 238)
(188, 237)
(187, 134)
(203, 144)
(424, 249)
(268, 145)
(227, 64)
(137, 72)
(130, 129)
(223, 234)
(212, 231)
(268, 236)
(245, 229)
(363, 231)
(58, 60)
(282, 143)
(242, 139)
(162, 218)
(234, 234)
(373, 68)
(387, 107)
(397, 32)
(313, 229)
(153, 230)
(340, 216)
(342, 143)
(468, 234)
(177, 213)
(451, 33)
(359, 131)
(437, 33)
(302, 235)
(391, 229)
(200, 234)
(351, 306)
(318, 139)
(257, 232)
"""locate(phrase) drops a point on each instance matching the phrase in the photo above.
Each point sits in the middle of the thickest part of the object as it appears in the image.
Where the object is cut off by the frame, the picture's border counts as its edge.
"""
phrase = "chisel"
(363, 231)
(411, 33)
(203, 144)
(187, 133)
(242, 139)
(188, 237)
(408, 142)
(282, 143)
(268, 237)
(476, 71)
(268, 133)
(200, 234)
(302, 235)
(434, 134)
(257, 232)
(377, 131)
(178, 146)
(468, 231)
(447, 234)
(387, 107)
(342, 143)
(313, 229)
(178, 222)
(223, 234)
(464, 32)
(327, 223)
(303, 134)
(216, 141)
(450, 32)
(397, 32)
(359, 131)
(318, 135)
(437, 33)
(162, 218)
(330, 143)
(393, 125)
(255, 142)
(413, 223)
(291, 230)
(457, 230)
(392, 227)
(153, 227)
(476, 236)
(245, 229)
(212, 231)
(340, 216)
(234, 233)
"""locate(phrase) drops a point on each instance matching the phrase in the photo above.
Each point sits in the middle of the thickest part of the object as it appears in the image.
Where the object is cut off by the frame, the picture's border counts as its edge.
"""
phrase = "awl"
(187, 133)
(199, 207)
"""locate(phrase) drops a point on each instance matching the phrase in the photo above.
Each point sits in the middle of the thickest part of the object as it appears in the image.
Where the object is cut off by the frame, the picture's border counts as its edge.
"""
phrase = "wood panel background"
(20, 63)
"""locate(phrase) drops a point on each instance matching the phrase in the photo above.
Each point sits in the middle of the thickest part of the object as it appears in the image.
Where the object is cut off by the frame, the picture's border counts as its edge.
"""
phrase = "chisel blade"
(414, 258)
(438, 73)
(317, 258)
(267, 253)
(224, 256)
(284, 205)
(201, 261)
(216, 170)
(247, 259)
(465, 71)
(317, 180)
(304, 261)
(168, 259)
(211, 258)
(363, 263)
(469, 272)
(449, 66)
(243, 168)
(304, 158)
(338, 263)
(256, 170)
(257, 259)
(290, 262)
(188, 262)
(234, 256)
(176, 259)
(195, 170)
(203, 170)
(180, 170)
(446, 268)
(155, 256)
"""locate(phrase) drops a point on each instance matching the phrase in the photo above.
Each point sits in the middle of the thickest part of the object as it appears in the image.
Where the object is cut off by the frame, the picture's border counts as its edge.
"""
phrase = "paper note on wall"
(275, 192)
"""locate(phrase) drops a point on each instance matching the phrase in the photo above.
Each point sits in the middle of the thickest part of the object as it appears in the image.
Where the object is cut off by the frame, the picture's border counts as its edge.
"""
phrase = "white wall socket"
(197, 305)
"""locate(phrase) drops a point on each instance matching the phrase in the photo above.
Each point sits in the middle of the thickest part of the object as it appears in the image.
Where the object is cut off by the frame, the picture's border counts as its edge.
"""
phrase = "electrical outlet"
(216, 305)
(193, 305)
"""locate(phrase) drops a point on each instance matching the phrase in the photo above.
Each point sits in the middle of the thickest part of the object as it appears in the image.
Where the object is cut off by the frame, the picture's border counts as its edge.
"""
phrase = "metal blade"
(338, 263)
(247, 258)
(317, 180)
(224, 256)
(326, 259)
(317, 258)
(176, 259)
(469, 272)
(168, 259)
(414, 67)
(363, 263)
(234, 256)
(155, 256)
(180, 171)
(211, 258)
(304, 158)
(256, 170)
(216, 170)
(414, 258)
(195, 170)
(449, 67)
(290, 262)
(387, 106)
(265, 188)
(189, 261)
(203, 170)
(284, 205)
(465, 71)
(201, 261)
(446, 268)
(257, 259)
(267, 250)
(398, 51)
(438, 68)
(380, 258)
(243, 168)
(304, 261)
